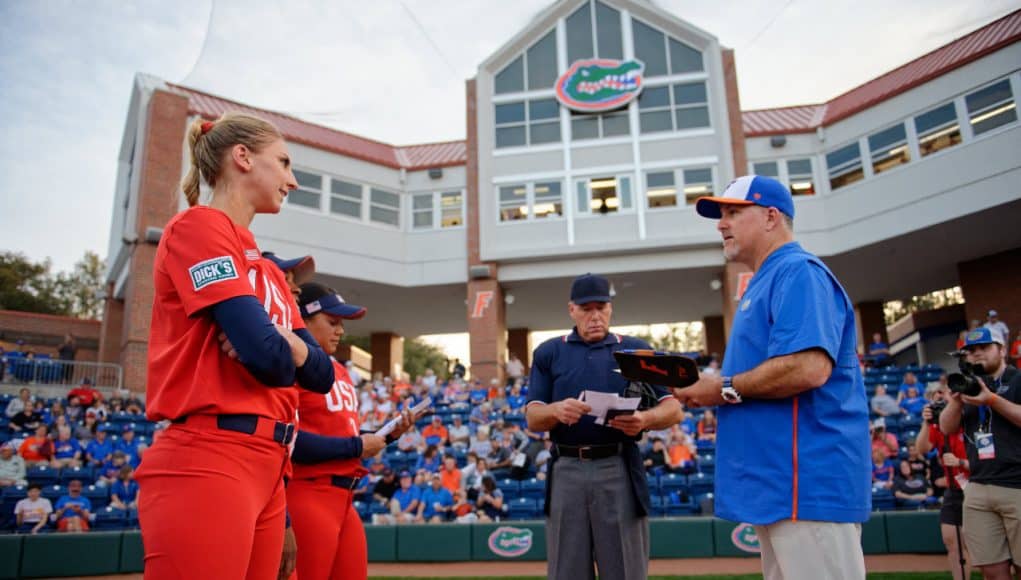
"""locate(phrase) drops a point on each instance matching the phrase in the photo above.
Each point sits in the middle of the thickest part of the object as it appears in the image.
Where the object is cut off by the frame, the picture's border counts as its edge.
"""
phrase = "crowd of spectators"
(67, 464)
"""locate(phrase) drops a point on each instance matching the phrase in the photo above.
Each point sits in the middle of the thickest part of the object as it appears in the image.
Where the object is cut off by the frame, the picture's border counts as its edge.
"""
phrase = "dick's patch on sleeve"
(212, 271)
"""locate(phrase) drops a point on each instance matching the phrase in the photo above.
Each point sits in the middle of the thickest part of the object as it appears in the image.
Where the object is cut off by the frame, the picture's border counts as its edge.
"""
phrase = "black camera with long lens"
(936, 408)
(966, 381)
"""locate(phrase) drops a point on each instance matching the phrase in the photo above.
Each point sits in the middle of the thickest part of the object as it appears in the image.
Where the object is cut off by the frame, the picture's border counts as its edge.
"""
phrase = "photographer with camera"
(985, 401)
(953, 457)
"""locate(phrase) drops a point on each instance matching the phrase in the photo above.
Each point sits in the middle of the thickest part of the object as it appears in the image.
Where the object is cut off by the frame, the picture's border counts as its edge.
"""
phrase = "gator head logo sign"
(510, 542)
(600, 84)
(745, 539)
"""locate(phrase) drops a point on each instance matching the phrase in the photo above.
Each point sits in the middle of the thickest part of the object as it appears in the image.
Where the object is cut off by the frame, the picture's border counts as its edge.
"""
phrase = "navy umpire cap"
(591, 288)
(318, 298)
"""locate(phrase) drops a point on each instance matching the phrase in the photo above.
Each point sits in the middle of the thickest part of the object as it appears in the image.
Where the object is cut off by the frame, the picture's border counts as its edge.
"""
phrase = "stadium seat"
(658, 505)
(510, 487)
(672, 482)
(707, 464)
(533, 488)
(98, 496)
(109, 518)
(42, 474)
(700, 483)
(522, 508)
(677, 504)
(83, 474)
(882, 500)
(53, 492)
(652, 480)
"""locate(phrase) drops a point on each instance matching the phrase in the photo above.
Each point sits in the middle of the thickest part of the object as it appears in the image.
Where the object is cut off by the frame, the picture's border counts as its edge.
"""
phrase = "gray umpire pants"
(594, 519)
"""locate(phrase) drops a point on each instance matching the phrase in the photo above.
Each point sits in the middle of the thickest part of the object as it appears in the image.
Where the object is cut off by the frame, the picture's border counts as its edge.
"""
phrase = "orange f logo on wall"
(483, 298)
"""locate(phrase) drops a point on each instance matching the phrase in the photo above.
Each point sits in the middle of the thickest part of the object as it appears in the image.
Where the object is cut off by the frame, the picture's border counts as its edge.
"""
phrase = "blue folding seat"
(652, 480)
(680, 505)
(68, 474)
(510, 487)
(533, 488)
(658, 505)
(672, 482)
(522, 508)
(98, 496)
(42, 474)
(109, 518)
(700, 483)
(54, 492)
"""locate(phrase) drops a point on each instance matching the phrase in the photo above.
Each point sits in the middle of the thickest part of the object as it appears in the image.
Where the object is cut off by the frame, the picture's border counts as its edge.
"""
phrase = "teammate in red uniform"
(211, 500)
(327, 456)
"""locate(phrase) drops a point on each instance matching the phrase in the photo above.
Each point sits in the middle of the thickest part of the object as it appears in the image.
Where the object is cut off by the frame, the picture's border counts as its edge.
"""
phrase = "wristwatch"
(729, 393)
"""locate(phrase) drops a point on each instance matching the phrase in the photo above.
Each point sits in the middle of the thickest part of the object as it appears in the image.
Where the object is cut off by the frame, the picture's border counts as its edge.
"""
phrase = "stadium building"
(588, 136)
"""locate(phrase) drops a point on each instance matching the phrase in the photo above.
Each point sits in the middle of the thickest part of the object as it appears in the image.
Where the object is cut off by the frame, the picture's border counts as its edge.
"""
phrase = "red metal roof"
(411, 157)
(806, 118)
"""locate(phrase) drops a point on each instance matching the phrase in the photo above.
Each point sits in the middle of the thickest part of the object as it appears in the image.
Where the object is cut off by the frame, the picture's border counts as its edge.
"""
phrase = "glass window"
(660, 190)
(844, 165)
(692, 105)
(345, 198)
(611, 45)
(510, 124)
(650, 48)
(513, 202)
(542, 62)
(512, 78)
(579, 34)
(654, 110)
(766, 168)
(937, 129)
(581, 197)
(451, 209)
(991, 107)
(683, 58)
(309, 192)
(544, 121)
(422, 211)
(592, 126)
(615, 124)
(584, 126)
(604, 195)
(889, 148)
(697, 183)
(799, 177)
(548, 200)
(384, 207)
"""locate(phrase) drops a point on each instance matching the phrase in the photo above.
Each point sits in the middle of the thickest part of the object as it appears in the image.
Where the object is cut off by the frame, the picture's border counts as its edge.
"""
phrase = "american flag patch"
(252, 255)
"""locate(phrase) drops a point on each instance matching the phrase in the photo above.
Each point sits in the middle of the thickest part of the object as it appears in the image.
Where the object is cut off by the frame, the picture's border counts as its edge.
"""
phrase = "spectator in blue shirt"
(479, 393)
(879, 351)
(99, 450)
(913, 403)
(128, 445)
(910, 380)
(516, 401)
(73, 510)
(436, 502)
(66, 450)
(404, 503)
(882, 471)
(124, 491)
(429, 461)
(111, 468)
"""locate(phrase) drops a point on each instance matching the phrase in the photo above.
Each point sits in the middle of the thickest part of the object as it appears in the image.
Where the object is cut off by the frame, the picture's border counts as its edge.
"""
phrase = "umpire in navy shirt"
(597, 501)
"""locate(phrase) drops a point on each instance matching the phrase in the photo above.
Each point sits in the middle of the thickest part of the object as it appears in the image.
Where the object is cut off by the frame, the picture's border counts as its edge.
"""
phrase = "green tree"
(418, 355)
(27, 286)
(678, 337)
(79, 290)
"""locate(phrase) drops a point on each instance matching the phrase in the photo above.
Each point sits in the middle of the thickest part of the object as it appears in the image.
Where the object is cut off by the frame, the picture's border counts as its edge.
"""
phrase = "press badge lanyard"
(984, 435)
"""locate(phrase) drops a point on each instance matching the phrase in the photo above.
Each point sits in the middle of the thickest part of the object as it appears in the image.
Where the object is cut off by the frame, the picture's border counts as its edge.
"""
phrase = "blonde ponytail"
(209, 142)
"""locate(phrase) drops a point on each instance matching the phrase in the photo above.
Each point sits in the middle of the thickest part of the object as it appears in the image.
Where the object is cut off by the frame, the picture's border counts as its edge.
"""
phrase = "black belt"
(589, 451)
(348, 483)
(282, 433)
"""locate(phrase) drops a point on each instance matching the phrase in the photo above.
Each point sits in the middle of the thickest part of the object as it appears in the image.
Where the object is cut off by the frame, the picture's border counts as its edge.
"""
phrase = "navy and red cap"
(303, 268)
(315, 298)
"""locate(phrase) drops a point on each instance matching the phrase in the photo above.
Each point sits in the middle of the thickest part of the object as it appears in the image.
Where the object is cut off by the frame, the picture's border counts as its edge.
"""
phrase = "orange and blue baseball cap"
(748, 190)
(316, 298)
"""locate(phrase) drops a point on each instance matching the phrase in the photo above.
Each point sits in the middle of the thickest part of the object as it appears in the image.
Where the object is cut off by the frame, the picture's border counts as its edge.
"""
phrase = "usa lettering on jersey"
(278, 308)
(212, 271)
(342, 397)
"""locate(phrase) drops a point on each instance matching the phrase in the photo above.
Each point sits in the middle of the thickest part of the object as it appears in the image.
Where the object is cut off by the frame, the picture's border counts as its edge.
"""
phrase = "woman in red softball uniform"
(327, 455)
(211, 499)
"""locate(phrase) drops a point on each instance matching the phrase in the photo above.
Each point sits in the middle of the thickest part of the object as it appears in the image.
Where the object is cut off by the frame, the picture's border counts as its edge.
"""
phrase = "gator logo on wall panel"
(600, 84)
(510, 542)
(745, 538)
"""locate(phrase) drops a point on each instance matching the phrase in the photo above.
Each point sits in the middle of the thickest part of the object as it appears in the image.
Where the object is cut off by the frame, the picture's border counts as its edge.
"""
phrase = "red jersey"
(204, 258)
(334, 414)
(937, 440)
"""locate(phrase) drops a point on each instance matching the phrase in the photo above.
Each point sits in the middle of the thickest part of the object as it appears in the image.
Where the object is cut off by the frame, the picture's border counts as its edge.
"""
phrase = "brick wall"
(43, 333)
(992, 283)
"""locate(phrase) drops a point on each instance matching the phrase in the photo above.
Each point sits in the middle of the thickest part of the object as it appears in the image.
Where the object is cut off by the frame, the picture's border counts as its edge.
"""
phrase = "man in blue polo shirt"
(792, 450)
(597, 500)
